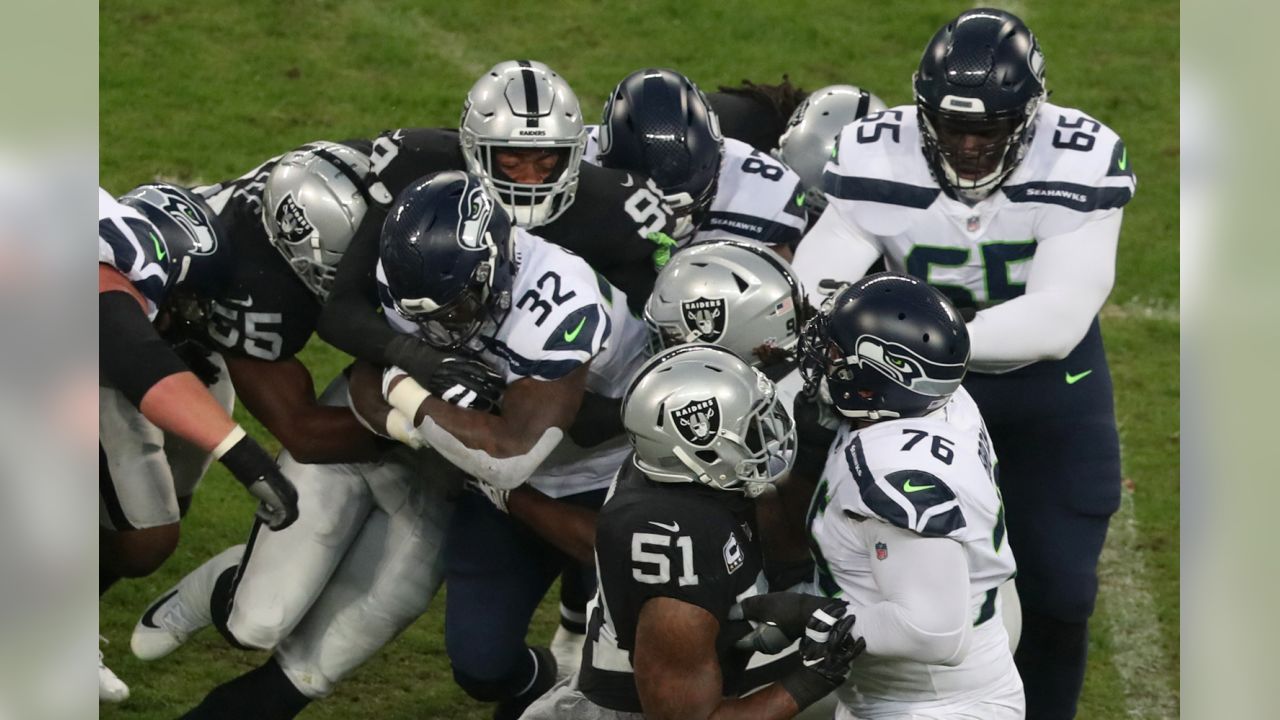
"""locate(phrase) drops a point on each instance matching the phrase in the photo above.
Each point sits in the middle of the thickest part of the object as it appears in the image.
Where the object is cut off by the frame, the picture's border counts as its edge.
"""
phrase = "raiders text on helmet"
(978, 89)
(810, 137)
(446, 252)
(887, 346)
(697, 413)
(522, 105)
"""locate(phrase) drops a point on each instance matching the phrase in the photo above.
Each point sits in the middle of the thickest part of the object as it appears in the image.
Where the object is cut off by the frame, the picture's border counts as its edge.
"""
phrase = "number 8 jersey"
(563, 315)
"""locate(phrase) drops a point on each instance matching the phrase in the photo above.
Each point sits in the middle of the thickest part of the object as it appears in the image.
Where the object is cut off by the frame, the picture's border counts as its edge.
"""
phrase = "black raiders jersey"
(266, 312)
(608, 224)
(687, 542)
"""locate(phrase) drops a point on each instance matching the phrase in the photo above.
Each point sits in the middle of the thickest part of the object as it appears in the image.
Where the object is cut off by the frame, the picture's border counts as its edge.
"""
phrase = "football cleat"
(566, 646)
(110, 688)
(182, 610)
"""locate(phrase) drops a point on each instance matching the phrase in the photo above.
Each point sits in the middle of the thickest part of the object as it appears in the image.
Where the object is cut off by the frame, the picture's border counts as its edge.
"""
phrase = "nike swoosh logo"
(673, 527)
(155, 240)
(1073, 379)
(908, 487)
(629, 182)
(246, 301)
(149, 617)
(1124, 159)
(571, 336)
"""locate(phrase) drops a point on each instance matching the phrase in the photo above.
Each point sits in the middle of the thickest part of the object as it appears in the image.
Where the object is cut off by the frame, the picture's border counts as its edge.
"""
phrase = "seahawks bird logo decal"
(475, 209)
(292, 220)
(906, 368)
(192, 219)
(698, 422)
(705, 317)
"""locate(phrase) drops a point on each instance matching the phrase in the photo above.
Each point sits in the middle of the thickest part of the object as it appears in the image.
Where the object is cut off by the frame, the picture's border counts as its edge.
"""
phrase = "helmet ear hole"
(707, 456)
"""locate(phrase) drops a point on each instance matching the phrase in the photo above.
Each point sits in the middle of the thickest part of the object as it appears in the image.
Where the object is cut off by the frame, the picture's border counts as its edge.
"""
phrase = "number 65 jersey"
(933, 476)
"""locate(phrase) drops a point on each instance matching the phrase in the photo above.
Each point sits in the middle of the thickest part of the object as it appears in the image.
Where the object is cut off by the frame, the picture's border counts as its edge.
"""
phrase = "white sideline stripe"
(1144, 670)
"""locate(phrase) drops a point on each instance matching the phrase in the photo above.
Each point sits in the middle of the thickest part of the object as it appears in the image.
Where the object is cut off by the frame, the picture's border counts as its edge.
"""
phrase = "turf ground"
(201, 92)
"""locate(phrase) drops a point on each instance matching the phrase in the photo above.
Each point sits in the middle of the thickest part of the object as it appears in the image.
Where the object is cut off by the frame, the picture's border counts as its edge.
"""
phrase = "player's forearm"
(350, 320)
(572, 529)
(831, 250)
(181, 405)
(771, 703)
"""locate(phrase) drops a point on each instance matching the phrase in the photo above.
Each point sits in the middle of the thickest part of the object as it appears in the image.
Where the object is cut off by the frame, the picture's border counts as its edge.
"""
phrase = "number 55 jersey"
(934, 477)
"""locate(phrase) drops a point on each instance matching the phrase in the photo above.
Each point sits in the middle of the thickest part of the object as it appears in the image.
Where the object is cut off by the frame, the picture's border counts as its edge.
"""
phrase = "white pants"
(360, 564)
(147, 469)
(1001, 701)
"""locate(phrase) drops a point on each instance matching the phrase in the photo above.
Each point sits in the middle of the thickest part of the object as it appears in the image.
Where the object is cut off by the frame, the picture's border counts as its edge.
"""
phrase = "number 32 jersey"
(933, 476)
(1076, 171)
(563, 315)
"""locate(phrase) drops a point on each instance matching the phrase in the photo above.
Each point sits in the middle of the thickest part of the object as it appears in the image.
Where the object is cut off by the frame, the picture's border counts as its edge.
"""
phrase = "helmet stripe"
(530, 93)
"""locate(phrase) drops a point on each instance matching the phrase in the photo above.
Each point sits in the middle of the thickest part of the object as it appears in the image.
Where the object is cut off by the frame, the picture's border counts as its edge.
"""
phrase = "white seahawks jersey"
(563, 314)
(129, 243)
(758, 197)
(933, 476)
(1076, 170)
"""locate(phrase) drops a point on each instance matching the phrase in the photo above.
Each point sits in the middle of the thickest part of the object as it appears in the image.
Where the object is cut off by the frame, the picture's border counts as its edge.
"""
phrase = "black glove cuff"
(248, 461)
(414, 356)
(806, 686)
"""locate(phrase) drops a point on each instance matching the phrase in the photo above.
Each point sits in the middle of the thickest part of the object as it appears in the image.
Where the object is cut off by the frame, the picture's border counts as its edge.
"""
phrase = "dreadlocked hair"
(783, 98)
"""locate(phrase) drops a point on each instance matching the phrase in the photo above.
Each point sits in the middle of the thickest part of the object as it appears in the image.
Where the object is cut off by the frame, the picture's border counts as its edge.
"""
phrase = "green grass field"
(199, 92)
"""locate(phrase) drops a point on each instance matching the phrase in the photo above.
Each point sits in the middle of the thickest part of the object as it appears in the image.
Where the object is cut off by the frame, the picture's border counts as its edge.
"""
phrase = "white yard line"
(1146, 674)
(1143, 311)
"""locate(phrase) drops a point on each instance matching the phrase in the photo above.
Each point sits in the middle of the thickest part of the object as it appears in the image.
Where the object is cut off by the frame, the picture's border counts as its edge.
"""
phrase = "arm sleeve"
(131, 354)
(350, 320)
(1071, 277)
(925, 583)
(833, 248)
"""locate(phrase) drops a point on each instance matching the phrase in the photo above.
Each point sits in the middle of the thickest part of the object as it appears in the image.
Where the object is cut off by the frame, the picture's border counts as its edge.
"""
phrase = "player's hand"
(260, 475)
(666, 245)
(496, 496)
(778, 619)
(278, 500)
(467, 383)
(196, 357)
(415, 356)
(827, 650)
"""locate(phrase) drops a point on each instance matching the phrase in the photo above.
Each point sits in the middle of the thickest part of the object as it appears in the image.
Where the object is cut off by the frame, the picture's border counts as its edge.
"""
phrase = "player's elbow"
(949, 647)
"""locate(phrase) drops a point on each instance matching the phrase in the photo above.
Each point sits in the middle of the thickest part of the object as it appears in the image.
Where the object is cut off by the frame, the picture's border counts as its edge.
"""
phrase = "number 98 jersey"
(1075, 171)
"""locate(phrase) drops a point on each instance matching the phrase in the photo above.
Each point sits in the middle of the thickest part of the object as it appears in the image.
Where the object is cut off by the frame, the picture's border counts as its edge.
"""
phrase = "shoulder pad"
(1075, 162)
(399, 157)
(914, 500)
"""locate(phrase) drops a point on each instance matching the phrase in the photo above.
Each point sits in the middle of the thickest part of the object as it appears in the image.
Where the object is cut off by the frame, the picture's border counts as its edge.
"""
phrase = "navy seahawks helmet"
(446, 251)
(978, 89)
(196, 245)
(887, 346)
(659, 124)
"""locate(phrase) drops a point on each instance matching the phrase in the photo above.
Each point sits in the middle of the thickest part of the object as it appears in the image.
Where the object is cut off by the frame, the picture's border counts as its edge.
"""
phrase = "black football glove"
(467, 383)
(415, 356)
(196, 357)
(778, 619)
(826, 652)
(254, 468)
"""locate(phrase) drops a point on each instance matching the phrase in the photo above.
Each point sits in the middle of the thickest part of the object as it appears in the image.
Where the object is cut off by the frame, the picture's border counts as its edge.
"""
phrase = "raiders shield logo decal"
(698, 421)
(704, 317)
(293, 222)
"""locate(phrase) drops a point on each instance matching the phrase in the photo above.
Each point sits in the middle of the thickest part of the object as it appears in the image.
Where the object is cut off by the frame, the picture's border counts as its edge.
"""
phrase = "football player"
(375, 516)
(659, 123)
(454, 271)
(756, 113)
(677, 546)
(1013, 209)
(907, 522)
(159, 425)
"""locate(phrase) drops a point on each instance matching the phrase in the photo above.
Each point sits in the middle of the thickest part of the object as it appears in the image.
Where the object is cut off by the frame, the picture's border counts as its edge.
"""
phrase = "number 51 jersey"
(933, 476)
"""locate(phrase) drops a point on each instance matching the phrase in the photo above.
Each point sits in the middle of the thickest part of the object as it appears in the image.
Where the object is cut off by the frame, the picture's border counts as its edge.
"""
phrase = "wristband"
(407, 397)
(244, 457)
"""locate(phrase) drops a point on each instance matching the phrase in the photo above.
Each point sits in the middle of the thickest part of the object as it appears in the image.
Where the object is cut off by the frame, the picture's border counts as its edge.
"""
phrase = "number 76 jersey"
(878, 183)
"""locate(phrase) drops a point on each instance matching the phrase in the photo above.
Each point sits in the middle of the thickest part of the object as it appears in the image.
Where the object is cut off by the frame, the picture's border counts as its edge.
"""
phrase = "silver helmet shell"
(523, 104)
(698, 414)
(737, 294)
(313, 201)
(811, 133)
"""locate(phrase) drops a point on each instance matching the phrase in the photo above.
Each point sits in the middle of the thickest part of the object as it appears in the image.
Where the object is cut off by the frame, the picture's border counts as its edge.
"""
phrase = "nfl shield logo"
(882, 551)
(704, 316)
(973, 224)
(698, 422)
